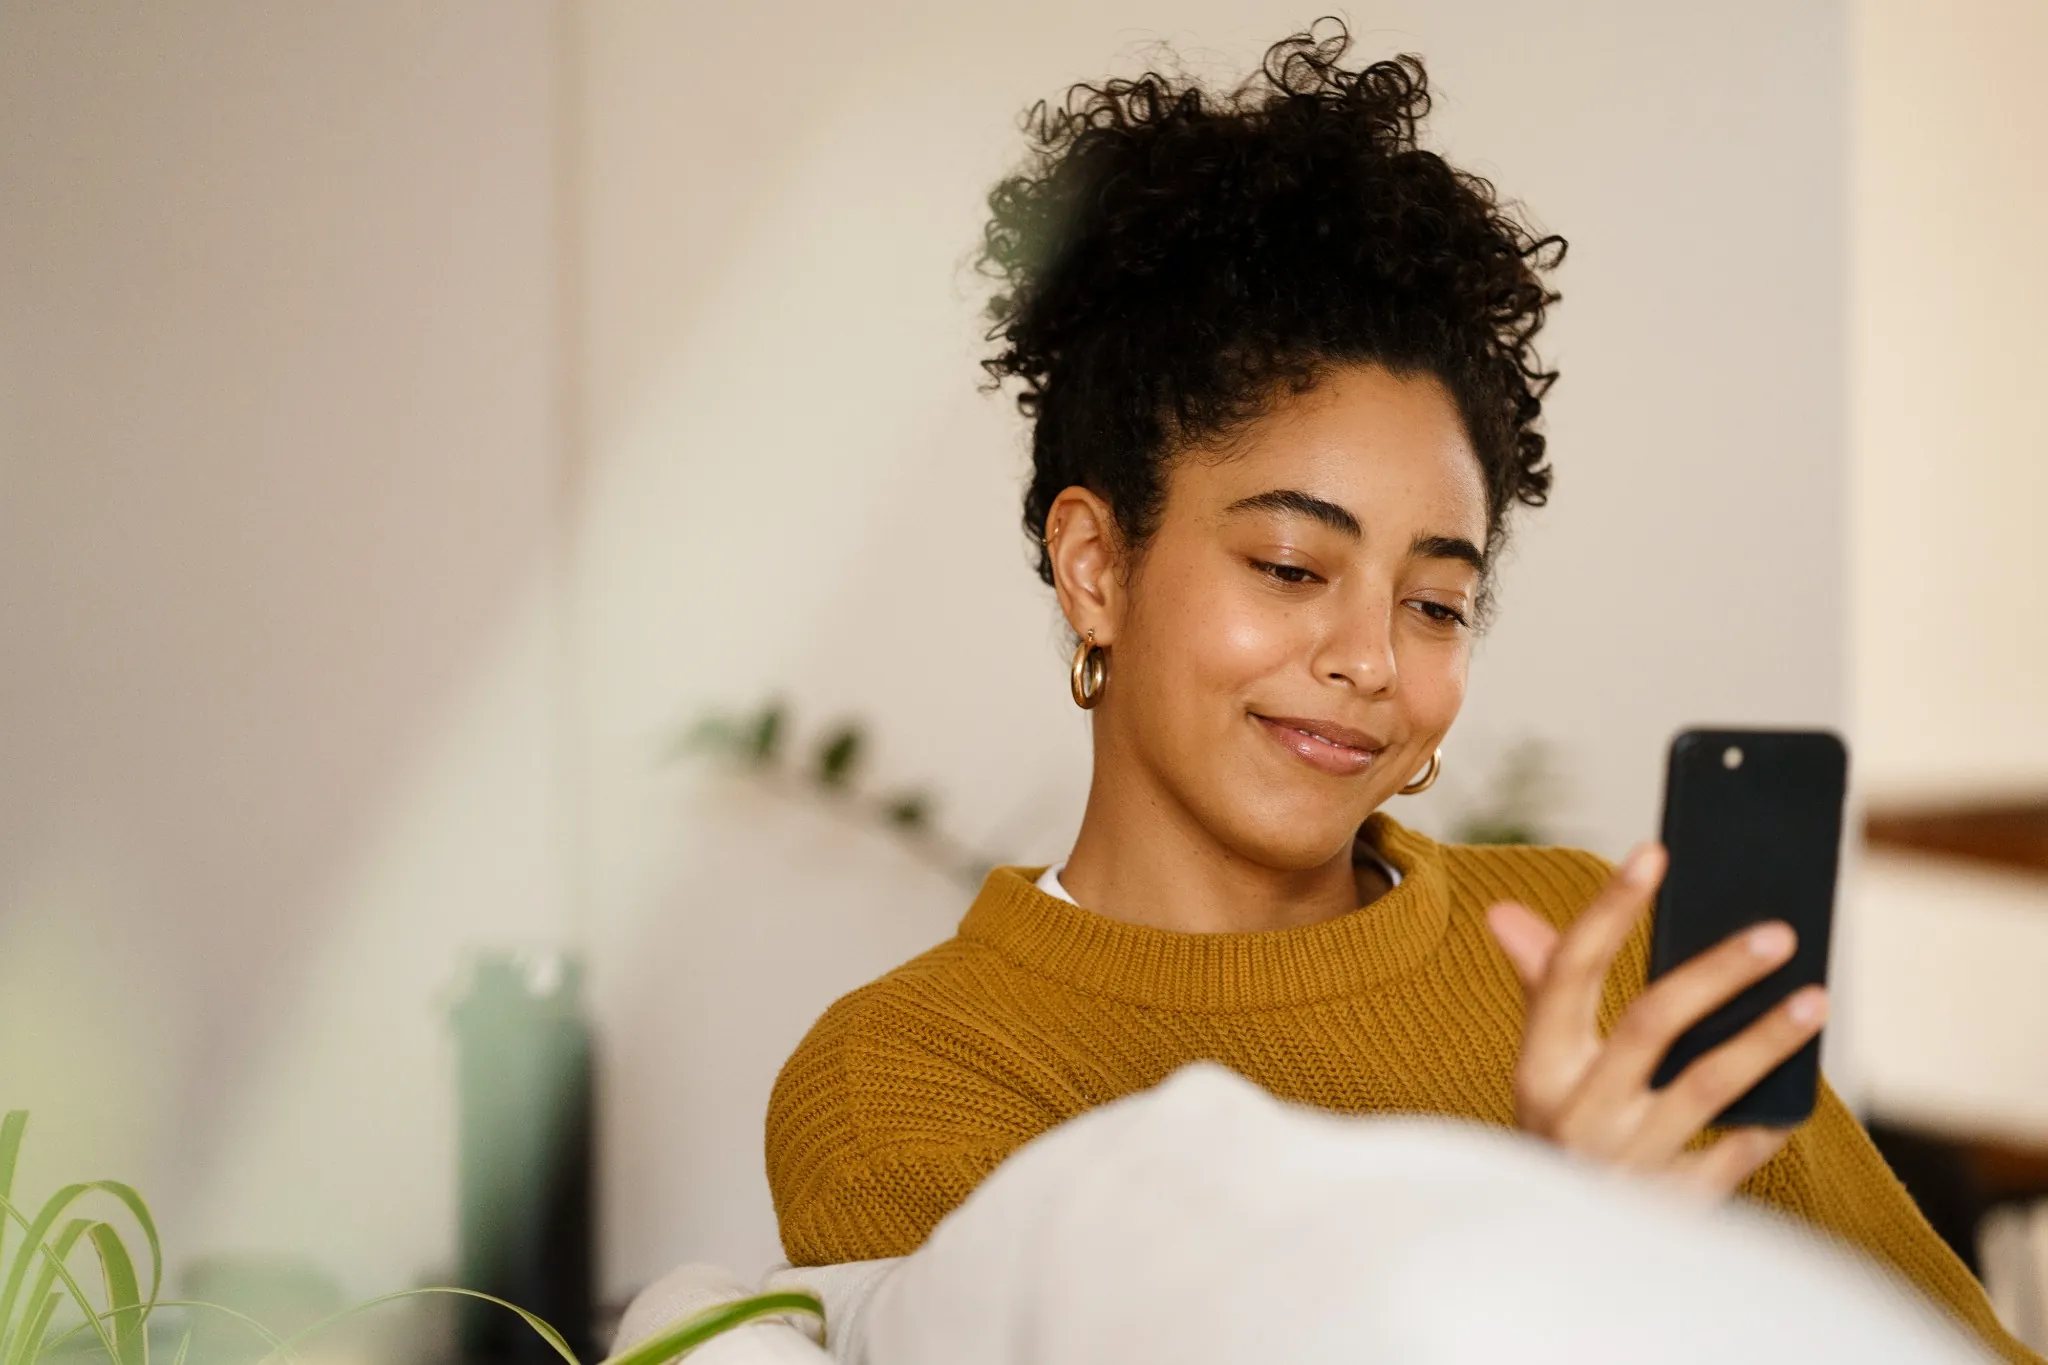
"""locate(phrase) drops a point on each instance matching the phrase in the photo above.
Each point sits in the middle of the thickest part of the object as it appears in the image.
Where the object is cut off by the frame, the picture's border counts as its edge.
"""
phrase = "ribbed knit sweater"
(910, 1090)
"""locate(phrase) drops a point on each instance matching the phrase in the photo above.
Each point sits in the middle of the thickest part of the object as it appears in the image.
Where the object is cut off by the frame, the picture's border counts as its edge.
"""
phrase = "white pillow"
(1204, 1222)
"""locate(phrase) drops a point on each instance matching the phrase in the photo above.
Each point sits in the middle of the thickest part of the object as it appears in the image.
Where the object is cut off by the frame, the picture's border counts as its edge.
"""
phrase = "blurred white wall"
(1949, 595)
(1950, 958)
(787, 479)
(278, 466)
(293, 711)
(1950, 189)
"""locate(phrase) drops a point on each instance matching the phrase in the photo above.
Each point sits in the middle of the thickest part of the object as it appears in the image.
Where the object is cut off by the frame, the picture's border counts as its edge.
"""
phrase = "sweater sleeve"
(1831, 1175)
(879, 1127)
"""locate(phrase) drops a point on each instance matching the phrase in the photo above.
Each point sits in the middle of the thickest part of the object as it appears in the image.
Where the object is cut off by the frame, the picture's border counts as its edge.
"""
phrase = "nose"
(1357, 648)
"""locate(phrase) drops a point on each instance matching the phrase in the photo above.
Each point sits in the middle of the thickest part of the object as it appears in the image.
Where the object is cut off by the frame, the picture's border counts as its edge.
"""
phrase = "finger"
(1716, 1172)
(1719, 1078)
(1543, 1076)
(1681, 998)
(1564, 1014)
(1526, 937)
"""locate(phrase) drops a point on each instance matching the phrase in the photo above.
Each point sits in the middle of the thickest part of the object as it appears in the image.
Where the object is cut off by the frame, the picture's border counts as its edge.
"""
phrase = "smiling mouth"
(1337, 750)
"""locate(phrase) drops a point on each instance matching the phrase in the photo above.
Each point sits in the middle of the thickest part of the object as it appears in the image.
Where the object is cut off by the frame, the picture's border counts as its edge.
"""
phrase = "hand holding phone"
(1618, 1098)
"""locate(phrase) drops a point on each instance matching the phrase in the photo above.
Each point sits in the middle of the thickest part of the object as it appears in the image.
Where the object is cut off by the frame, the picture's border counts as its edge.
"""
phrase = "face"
(1292, 645)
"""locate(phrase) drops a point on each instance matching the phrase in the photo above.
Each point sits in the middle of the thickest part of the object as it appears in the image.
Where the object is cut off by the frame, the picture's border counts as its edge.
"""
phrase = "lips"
(1339, 750)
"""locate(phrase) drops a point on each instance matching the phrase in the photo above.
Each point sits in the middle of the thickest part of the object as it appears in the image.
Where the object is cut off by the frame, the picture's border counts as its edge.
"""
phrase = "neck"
(1143, 858)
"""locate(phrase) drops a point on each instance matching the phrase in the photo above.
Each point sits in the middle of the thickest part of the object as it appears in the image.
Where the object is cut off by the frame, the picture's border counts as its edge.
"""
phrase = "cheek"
(1433, 684)
(1228, 639)
(1249, 642)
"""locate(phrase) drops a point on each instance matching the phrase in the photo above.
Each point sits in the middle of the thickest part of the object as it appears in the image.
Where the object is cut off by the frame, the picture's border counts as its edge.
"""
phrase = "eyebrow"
(1301, 504)
(1339, 518)
(1448, 547)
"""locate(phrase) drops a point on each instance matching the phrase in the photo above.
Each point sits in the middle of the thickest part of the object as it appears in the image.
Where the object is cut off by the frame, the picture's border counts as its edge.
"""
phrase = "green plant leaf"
(694, 1331)
(32, 1247)
(719, 733)
(910, 810)
(270, 1338)
(47, 1218)
(122, 1326)
(33, 1326)
(132, 1200)
(767, 737)
(11, 1130)
(540, 1325)
(27, 1343)
(124, 1298)
(184, 1345)
(838, 755)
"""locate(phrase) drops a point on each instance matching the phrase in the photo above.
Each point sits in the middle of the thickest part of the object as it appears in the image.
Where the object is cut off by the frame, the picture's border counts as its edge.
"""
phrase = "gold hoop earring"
(1418, 785)
(1090, 673)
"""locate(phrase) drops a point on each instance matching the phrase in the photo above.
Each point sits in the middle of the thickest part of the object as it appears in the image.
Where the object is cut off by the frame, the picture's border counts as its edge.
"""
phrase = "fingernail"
(1770, 940)
(1809, 1006)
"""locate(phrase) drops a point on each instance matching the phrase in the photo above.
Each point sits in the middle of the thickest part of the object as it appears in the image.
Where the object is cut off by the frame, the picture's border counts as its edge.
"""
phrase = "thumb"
(1526, 937)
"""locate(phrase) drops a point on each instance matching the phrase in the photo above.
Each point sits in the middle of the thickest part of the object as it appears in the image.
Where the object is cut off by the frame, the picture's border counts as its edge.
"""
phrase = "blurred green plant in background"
(46, 1249)
(1519, 800)
(756, 743)
(58, 1318)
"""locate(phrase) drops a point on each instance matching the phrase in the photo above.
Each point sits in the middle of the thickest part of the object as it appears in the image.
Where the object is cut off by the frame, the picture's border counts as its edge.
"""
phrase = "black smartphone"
(1753, 825)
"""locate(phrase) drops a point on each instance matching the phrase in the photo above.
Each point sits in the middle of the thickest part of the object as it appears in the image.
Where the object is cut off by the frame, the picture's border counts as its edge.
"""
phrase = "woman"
(1280, 368)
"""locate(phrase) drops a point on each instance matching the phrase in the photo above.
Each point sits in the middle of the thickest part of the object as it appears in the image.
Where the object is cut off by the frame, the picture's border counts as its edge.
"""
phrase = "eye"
(1291, 574)
(1439, 613)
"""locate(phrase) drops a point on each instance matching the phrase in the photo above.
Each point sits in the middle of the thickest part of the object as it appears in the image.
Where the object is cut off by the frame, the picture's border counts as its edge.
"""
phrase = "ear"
(1087, 560)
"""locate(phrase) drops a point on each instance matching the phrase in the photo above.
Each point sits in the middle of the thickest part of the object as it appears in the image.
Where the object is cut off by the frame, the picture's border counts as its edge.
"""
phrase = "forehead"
(1390, 448)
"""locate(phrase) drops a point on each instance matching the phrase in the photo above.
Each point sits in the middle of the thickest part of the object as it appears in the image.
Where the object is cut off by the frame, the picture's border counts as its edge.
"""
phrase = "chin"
(1294, 836)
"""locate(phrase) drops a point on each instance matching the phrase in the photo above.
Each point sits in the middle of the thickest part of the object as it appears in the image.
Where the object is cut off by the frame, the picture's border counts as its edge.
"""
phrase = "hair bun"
(1168, 257)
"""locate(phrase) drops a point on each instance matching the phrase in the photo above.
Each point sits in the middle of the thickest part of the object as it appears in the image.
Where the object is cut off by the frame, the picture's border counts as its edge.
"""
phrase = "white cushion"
(1206, 1223)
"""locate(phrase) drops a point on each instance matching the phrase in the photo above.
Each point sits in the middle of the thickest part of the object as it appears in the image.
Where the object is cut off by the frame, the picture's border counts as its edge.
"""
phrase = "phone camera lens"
(1731, 757)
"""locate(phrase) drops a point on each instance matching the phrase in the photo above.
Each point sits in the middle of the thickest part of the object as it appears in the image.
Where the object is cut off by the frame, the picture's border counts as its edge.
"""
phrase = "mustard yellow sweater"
(912, 1089)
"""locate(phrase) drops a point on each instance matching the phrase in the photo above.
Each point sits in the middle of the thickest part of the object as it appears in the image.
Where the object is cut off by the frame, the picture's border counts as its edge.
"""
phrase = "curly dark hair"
(1170, 260)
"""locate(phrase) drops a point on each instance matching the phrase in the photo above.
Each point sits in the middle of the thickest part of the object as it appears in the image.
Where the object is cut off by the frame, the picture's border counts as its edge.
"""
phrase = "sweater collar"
(1262, 969)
